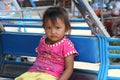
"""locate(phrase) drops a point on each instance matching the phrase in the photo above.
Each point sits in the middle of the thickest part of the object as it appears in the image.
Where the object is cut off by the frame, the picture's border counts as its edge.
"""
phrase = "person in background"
(113, 6)
(116, 28)
(56, 52)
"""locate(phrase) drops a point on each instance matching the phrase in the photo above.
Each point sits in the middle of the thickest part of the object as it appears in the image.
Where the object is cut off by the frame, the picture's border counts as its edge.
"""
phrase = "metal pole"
(101, 8)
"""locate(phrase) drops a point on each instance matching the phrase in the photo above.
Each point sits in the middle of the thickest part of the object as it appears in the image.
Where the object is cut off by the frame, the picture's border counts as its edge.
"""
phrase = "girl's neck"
(49, 42)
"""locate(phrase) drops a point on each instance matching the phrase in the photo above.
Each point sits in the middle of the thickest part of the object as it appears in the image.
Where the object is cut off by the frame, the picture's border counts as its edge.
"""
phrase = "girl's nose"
(53, 31)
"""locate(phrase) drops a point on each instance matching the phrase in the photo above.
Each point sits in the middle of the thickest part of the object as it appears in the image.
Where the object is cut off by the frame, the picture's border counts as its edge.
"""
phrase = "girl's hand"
(69, 63)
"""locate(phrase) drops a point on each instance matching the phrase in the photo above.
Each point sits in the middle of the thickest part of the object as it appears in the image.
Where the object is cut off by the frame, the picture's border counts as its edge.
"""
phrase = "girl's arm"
(69, 63)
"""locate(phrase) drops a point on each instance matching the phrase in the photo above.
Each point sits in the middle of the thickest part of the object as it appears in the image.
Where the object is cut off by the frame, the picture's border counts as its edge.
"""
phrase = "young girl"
(55, 51)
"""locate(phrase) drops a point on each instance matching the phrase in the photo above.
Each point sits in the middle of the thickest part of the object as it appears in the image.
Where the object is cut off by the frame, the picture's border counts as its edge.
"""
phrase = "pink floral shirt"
(51, 58)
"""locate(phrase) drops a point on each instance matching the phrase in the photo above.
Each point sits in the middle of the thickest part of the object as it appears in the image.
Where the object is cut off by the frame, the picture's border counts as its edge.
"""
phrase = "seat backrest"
(24, 44)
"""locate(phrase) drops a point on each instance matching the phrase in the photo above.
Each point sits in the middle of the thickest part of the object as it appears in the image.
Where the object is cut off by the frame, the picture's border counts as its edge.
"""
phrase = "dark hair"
(53, 13)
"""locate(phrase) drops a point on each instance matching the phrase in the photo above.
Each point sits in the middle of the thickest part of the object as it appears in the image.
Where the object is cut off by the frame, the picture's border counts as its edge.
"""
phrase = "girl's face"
(54, 32)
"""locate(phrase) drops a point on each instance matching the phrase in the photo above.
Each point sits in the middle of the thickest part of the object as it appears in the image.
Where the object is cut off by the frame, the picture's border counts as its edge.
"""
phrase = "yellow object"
(35, 76)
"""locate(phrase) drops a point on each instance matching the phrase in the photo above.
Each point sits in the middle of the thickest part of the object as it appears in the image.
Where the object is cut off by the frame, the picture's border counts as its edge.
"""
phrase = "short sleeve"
(69, 48)
(41, 41)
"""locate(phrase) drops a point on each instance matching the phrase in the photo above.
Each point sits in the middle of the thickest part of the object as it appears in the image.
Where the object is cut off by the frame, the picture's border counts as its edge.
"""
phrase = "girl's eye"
(58, 27)
(48, 27)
